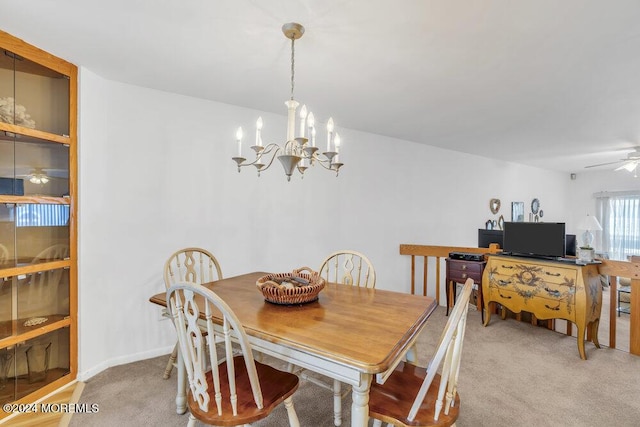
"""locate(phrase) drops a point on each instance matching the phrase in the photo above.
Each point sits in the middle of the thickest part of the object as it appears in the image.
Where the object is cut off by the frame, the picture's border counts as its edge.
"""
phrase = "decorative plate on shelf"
(535, 206)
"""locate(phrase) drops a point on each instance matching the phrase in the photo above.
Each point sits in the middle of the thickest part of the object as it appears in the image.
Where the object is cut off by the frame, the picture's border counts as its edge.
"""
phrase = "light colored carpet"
(512, 374)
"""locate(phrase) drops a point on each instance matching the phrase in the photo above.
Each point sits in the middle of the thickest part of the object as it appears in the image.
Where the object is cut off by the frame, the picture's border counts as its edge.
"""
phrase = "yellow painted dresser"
(547, 289)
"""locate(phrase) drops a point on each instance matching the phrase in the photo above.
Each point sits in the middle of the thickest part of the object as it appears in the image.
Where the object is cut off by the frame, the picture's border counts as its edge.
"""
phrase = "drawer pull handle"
(504, 296)
(507, 266)
(553, 308)
(553, 292)
(464, 275)
(464, 266)
(552, 274)
(504, 282)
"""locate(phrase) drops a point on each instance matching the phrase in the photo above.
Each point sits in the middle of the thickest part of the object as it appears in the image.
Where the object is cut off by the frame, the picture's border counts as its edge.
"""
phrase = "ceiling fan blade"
(603, 164)
(629, 166)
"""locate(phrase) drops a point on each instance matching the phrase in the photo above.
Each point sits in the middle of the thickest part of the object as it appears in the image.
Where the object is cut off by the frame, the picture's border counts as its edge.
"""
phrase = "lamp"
(298, 152)
(589, 224)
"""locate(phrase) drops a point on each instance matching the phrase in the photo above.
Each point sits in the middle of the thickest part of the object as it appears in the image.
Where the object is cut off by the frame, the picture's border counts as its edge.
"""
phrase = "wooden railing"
(613, 269)
(439, 253)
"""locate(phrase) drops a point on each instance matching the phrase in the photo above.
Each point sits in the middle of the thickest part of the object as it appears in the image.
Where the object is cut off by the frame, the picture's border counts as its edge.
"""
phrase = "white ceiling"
(548, 83)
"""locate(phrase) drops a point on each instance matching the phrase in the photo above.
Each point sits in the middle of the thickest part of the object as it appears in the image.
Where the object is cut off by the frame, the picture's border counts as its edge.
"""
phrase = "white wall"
(581, 195)
(156, 175)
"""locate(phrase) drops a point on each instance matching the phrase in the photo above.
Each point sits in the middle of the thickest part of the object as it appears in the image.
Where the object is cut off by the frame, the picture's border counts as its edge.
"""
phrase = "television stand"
(547, 289)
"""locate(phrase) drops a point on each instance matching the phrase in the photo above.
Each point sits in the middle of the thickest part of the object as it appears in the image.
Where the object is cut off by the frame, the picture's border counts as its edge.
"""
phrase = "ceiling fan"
(630, 163)
(42, 175)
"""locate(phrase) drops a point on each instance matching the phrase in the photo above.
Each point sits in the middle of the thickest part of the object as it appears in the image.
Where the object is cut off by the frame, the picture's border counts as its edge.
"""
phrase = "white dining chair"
(416, 396)
(195, 265)
(225, 388)
(350, 268)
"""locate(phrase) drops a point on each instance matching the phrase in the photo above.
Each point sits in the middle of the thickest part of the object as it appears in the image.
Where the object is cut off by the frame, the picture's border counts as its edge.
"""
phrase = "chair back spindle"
(349, 268)
(193, 265)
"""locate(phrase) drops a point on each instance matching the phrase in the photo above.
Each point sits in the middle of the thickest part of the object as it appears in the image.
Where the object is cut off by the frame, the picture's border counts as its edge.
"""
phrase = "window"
(620, 213)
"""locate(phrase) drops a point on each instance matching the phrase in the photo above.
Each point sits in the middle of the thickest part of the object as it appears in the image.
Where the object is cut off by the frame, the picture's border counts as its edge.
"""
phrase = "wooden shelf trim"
(34, 199)
(35, 268)
(20, 130)
(24, 49)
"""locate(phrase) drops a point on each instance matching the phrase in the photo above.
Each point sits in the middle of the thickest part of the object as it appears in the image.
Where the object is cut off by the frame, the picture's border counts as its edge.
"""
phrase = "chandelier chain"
(293, 40)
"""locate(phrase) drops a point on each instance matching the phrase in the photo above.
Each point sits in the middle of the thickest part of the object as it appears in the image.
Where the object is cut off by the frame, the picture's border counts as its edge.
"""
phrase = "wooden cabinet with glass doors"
(38, 273)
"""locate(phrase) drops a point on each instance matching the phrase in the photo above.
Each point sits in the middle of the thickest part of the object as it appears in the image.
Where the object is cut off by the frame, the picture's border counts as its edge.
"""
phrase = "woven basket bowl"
(276, 293)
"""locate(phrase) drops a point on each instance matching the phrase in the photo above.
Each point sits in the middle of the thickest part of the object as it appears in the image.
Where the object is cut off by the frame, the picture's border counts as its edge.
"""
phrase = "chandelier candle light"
(298, 152)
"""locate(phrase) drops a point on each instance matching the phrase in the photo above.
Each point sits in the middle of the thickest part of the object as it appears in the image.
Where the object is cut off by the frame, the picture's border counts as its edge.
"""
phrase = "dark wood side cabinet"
(458, 271)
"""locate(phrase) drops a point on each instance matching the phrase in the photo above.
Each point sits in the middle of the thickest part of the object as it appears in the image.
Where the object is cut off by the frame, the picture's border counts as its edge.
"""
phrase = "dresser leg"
(487, 318)
(594, 332)
(580, 339)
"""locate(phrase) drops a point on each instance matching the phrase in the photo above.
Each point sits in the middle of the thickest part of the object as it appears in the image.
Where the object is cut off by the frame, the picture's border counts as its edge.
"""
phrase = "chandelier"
(298, 152)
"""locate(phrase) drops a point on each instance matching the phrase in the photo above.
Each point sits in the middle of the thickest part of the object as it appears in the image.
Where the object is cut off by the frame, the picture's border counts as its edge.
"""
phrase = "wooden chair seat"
(276, 387)
(225, 388)
(392, 402)
(415, 396)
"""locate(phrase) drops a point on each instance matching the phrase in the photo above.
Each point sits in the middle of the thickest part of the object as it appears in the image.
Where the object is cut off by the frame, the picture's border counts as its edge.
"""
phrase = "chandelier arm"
(271, 147)
(324, 163)
(268, 149)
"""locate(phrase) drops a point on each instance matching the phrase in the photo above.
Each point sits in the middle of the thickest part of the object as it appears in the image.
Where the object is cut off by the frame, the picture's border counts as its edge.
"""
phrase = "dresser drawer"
(460, 270)
(462, 276)
(530, 300)
(551, 309)
(562, 292)
(532, 274)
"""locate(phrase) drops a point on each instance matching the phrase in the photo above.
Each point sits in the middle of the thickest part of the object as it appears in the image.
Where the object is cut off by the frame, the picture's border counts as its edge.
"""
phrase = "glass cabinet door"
(36, 363)
(32, 95)
(33, 233)
(33, 300)
(33, 167)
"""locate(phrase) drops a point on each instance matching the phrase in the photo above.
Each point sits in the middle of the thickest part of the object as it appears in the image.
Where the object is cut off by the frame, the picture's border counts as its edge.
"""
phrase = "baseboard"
(116, 361)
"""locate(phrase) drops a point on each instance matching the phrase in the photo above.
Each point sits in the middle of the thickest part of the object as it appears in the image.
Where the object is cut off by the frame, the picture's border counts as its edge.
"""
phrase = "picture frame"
(517, 211)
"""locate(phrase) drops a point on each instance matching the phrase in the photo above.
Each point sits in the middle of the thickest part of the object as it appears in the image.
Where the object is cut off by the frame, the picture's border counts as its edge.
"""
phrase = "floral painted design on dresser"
(529, 281)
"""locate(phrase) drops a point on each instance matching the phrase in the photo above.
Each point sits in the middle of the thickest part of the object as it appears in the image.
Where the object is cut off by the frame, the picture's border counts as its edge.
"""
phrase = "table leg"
(360, 402)
(181, 395)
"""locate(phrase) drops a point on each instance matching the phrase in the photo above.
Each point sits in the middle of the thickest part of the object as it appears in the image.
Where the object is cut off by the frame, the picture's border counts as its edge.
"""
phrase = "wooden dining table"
(351, 334)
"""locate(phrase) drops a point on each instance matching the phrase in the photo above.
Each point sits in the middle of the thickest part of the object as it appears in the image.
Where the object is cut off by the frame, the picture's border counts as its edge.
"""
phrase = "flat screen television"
(486, 237)
(536, 239)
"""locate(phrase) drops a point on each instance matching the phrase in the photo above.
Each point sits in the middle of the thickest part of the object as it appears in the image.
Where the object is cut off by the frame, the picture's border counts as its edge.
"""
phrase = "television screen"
(486, 237)
(540, 239)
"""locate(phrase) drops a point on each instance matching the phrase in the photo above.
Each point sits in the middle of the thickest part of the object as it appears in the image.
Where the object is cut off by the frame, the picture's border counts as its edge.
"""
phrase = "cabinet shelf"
(20, 130)
(16, 332)
(35, 199)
